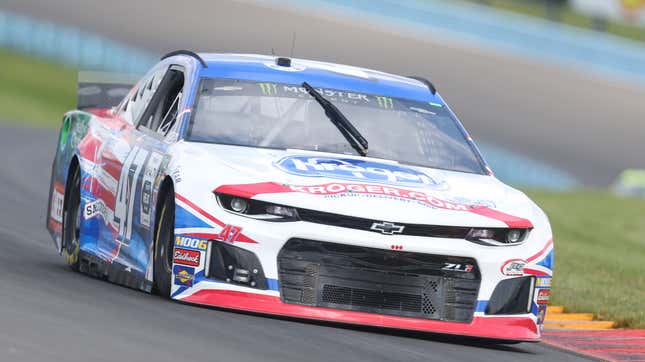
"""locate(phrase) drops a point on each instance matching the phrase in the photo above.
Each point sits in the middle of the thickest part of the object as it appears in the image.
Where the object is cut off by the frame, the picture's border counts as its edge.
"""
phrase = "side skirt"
(113, 272)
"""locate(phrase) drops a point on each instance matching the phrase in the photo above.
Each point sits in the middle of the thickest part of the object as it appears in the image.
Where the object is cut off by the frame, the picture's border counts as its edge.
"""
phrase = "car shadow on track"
(481, 343)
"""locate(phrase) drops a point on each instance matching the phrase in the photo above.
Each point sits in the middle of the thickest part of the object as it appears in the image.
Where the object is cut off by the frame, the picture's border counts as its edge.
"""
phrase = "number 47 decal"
(124, 205)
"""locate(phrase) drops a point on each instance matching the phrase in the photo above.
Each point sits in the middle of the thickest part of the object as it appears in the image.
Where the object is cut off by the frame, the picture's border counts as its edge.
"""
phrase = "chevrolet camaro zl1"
(297, 188)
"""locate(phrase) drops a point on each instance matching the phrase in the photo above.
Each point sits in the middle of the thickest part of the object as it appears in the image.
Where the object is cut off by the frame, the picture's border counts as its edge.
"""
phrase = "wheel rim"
(164, 243)
(74, 235)
(164, 247)
(169, 252)
(77, 226)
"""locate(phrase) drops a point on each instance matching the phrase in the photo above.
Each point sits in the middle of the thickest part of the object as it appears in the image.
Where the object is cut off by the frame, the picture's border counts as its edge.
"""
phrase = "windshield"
(285, 116)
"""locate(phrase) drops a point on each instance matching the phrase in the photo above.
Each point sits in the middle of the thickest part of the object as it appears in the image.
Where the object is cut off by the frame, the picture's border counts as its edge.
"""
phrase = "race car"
(297, 188)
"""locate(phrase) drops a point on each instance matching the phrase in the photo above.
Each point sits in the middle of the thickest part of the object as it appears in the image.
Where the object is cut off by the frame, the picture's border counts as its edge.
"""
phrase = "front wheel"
(164, 237)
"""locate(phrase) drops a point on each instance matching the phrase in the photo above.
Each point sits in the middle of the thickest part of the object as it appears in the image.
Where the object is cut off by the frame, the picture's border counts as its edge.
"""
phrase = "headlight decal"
(256, 209)
(498, 236)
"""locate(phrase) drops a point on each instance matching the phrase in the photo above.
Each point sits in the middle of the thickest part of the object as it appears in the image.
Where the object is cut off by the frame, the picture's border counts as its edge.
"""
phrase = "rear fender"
(72, 132)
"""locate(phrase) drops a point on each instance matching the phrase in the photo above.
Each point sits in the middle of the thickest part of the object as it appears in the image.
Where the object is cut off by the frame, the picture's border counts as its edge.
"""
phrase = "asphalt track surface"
(591, 126)
(49, 313)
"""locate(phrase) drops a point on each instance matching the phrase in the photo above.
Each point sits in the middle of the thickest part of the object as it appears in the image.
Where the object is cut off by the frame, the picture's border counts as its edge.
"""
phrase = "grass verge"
(34, 92)
(599, 254)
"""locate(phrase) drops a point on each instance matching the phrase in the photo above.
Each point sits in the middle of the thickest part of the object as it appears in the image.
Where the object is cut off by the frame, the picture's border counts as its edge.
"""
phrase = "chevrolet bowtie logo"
(387, 228)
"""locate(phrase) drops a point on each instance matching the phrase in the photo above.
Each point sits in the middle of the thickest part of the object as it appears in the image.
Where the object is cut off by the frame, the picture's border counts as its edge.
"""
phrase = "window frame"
(160, 92)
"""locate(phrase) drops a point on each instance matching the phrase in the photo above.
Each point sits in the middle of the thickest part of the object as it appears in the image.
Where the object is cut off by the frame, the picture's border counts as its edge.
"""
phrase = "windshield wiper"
(351, 134)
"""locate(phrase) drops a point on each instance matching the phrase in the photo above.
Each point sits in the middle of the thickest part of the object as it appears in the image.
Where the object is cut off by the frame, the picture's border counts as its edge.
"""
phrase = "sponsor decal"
(149, 176)
(268, 88)
(338, 190)
(541, 314)
(98, 208)
(94, 208)
(543, 296)
(543, 282)
(464, 268)
(176, 174)
(335, 95)
(474, 202)
(377, 190)
(184, 275)
(514, 267)
(186, 257)
(146, 199)
(384, 102)
(355, 170)
(57, 202)
(191, 243)
(78, 131)
(57, 227)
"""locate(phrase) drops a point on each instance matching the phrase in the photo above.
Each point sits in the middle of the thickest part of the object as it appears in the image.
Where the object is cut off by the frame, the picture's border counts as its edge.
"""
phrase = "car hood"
(357, 186)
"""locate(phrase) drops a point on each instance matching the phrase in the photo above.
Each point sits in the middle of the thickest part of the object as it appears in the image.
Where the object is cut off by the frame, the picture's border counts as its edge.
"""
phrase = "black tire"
(164, 246)
(72, 220)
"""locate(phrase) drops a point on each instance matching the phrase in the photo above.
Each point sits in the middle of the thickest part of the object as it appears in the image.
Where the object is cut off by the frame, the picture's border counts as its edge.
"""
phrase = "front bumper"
(517, 328)
(266, 240)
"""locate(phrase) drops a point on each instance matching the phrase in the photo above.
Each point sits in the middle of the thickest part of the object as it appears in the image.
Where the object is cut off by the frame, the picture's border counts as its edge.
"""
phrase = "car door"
(139, 149)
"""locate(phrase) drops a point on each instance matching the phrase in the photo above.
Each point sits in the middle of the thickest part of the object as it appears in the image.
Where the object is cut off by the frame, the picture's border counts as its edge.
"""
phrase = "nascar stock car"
(297, 188)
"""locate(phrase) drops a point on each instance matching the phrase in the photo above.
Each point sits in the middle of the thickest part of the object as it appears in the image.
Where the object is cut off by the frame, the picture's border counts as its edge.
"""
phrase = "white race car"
(298, 188)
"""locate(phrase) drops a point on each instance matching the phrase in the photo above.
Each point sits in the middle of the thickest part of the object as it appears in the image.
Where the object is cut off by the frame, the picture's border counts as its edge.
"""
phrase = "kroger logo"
(355, 170)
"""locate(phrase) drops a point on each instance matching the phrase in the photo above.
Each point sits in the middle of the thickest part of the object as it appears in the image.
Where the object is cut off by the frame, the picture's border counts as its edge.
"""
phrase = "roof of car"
(318, 74)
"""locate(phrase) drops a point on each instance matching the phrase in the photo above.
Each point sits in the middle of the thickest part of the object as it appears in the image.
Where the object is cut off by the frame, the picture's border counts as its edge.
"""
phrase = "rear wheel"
(72, 220)
(164, 237)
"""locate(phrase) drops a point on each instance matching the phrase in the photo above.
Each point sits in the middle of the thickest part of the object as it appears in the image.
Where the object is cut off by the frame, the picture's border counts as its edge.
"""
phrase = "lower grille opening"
(334, 294)
(377, 281)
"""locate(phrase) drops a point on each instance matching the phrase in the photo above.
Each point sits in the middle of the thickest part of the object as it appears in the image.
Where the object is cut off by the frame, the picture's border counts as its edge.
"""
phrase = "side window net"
(170, 117)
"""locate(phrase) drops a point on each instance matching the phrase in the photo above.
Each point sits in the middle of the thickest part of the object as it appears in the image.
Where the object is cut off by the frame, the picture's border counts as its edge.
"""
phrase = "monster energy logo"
(268, 88)
(385, 102)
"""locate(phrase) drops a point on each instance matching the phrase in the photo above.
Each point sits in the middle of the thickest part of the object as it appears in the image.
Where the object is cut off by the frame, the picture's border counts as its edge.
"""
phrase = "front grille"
(437, 231)
(377, 281)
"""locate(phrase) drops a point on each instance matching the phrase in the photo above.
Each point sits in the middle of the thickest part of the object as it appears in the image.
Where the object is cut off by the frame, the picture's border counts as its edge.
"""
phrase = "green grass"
(599, 254)
(565, 15)
(34, 92)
